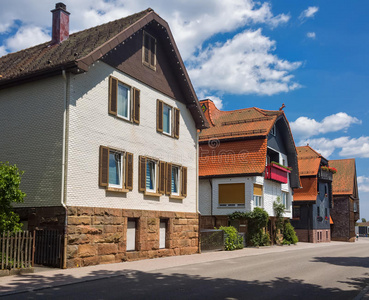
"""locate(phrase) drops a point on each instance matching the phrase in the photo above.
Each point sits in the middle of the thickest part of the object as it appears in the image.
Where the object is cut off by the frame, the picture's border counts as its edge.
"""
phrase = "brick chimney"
(60, 31)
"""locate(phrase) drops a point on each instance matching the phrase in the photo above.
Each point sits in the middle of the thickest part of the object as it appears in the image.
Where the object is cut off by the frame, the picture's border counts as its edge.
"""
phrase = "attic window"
(149, 51)
(274, 130)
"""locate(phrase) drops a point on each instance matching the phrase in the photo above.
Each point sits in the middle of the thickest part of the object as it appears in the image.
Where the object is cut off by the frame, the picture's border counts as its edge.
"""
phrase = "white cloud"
(26, 37)
(3, 51)
(243, 65)
(311, 35)
(348, 147)
(363, 183)
(305, 127)
(309, 12)
(217, 101)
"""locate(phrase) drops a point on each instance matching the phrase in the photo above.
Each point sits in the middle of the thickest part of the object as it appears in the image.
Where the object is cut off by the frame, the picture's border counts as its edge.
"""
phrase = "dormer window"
(149, 51)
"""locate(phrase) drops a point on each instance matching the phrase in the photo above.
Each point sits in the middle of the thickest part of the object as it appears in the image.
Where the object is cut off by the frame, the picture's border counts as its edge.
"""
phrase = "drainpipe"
(211, 200)
(308, 206)
(64, 165)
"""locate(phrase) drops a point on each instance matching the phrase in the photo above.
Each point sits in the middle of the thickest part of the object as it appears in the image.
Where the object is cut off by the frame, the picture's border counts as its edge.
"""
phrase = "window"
(296, 212)
(285, 201)
(167, 113)
(258, 195)
(116, 169)
(151, 178)
(231, 194)
(163, 234)
(318, 211)
(159, 178)
(131, 234)
(355, 207)
(273, 131)
(124, 101)
(326, 213)
(175, 181)
(167, 119)
(149, 51)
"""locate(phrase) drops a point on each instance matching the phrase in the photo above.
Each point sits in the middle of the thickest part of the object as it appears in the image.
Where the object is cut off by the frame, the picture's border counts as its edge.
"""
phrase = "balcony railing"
(277, 173)
(325, 175)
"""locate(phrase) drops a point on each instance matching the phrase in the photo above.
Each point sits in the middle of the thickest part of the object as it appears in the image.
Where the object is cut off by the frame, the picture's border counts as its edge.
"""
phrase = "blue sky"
(310, 55)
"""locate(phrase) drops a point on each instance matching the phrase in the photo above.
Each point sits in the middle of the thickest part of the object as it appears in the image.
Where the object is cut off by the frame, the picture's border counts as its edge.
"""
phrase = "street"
(330, 271)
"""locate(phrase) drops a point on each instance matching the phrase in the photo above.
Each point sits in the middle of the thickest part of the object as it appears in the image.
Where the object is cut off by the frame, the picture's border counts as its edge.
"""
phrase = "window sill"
(152, 194)
(176, 197)
(152, 67)
(123, 118)
(117, 190)
(221, 207)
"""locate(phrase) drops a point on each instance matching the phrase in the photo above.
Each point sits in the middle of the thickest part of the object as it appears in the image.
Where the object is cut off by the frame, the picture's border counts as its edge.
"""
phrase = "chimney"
(60, 31)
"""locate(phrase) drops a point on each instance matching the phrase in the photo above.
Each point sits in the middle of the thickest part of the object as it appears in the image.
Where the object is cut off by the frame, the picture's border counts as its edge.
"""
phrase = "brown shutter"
(146, 48)
(113, 90)
(162, 177)
(168, 186)
(104, 166)
(152, 51)
(184, 181)
(129, 171)
(159, 116)
(142, 173)
(177, 117)
(136, 106)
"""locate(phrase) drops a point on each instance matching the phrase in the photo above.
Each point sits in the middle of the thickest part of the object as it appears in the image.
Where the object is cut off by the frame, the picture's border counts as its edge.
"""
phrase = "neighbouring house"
(247, 159)
(345, 211)
(105, 124)
(362, 229)
(312, 203)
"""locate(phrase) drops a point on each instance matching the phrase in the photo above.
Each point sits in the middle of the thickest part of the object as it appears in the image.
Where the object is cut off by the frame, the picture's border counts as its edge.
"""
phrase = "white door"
(131, 235)
(163, 226)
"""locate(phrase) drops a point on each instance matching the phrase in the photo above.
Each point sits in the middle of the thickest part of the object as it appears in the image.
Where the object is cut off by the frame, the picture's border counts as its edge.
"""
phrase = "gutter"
(64, 165)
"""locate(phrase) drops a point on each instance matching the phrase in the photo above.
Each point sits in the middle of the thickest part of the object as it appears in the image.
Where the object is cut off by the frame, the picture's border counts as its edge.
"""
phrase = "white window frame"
(285, 201)
(259, 200)
(178, 168)
(170, 109)
(155, 183)
(122, 161)
(129, 93)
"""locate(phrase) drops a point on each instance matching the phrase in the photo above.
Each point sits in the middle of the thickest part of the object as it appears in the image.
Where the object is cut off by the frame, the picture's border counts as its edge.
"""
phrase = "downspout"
(211, 200)
(197, 191)
(308, 206)
(64, 166)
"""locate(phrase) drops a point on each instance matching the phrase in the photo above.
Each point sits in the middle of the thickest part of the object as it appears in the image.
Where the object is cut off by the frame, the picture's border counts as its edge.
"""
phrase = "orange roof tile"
(232, 157)
(330, 220)
(309, 190)
(345, 178)
(309, 161)
(248, 122)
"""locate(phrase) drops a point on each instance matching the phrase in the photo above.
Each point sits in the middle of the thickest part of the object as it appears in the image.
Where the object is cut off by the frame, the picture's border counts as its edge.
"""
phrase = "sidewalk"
(46, 278)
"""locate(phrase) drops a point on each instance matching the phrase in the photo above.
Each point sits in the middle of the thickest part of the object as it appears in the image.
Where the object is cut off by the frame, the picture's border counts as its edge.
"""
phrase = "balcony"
(277, 173)
(325, 175)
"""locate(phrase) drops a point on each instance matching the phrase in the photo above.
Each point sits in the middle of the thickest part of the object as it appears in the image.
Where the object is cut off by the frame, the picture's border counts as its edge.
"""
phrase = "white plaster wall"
(90, 126)
(205, 197)
(31, 131)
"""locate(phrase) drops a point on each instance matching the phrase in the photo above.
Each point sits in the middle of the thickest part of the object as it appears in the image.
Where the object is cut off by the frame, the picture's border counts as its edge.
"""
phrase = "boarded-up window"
(149, 51)
(232, 193)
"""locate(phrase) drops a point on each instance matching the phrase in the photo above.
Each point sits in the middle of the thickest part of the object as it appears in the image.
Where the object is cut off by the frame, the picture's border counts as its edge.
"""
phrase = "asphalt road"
(334, 272)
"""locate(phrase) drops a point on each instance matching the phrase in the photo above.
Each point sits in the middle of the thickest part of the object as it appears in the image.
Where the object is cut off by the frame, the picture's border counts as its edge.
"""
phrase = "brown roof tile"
(77, 46)
(344, 180)
(309, 161)
(309, 190)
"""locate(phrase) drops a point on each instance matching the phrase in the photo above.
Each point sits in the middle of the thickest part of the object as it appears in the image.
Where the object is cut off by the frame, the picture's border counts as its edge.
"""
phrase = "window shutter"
(146, 48)
(168, 186)
(162, 177)
(159, 116)
(184, 181)
(113, 91)
(152, 51)
(129, 171)
(136, 106)
(104, 166)
(142, 173)
(177, 117)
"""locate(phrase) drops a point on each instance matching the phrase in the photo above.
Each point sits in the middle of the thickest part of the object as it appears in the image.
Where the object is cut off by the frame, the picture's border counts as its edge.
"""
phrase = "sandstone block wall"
(99, 235)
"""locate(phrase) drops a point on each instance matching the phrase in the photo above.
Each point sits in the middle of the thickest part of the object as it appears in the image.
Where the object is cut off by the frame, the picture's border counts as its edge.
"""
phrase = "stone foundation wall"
(324, 235)
(42, 217)
(99, 235)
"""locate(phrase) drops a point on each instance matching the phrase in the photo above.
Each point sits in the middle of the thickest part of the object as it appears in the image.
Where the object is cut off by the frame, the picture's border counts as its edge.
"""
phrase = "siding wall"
(31, 135)
(92, 126)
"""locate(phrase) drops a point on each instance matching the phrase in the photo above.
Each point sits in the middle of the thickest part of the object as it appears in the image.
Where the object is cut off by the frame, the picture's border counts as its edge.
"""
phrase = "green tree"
(363, 220)
(257, 220)
(10, 178)
(289, 234)
(278, 212)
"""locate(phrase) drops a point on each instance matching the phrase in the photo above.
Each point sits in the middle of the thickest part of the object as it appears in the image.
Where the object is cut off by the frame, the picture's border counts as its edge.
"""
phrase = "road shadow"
(131, 284)
(349, 261)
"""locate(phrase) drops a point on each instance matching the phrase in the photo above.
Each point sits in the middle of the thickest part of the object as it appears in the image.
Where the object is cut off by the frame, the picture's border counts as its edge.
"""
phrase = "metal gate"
(48, 248)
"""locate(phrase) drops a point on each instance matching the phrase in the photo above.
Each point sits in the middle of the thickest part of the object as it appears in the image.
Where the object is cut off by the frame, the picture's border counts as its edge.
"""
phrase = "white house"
(105, 122)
